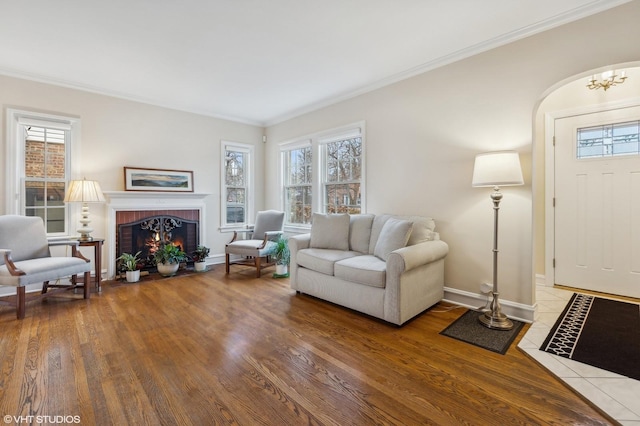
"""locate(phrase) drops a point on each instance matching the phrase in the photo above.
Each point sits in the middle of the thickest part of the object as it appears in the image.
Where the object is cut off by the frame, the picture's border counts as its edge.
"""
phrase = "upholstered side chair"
(258, 244)
(25, 259)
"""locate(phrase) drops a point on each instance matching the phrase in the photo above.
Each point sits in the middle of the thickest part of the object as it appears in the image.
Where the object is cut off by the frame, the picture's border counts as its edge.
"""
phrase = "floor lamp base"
(495, 320)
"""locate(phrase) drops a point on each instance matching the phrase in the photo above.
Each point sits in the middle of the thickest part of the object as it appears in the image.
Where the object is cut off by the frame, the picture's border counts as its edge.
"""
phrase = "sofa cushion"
(368, 270)
(360, 232)
(330, 231)
(423, 229)
(322, 260)
(394, 235)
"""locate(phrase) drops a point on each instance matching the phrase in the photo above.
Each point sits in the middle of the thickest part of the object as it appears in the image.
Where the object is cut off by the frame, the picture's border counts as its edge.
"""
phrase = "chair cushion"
(394, 235)
(25, 236)
(330, 231)
(360, 232)
(368, 270)
(44, 269)
(249, 248)
(322, 260)
(268, 220)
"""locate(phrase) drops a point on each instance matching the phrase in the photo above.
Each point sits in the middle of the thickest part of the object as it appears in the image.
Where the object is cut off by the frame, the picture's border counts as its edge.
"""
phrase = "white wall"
(423, 134)
(117, 133)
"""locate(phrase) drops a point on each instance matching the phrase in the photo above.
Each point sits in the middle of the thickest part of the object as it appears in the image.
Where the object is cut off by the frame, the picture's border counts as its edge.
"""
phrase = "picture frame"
(162, 180)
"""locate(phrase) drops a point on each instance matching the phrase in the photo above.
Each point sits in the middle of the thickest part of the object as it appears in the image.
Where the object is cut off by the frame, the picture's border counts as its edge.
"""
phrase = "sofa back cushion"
(423, 229)
(330, 231)
(360, 232)
(393, 235)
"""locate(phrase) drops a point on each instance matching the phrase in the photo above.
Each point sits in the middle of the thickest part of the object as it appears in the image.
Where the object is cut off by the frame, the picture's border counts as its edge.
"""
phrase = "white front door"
(597, 203)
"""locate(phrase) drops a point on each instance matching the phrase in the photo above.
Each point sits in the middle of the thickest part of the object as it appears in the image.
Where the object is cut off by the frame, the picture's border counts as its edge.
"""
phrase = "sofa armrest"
(299, 242)
(296, 243)
(410, 257)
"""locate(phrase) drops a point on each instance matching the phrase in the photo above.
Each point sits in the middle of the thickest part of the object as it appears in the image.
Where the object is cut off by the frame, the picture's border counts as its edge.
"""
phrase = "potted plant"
(199, 257)
(281, 255)
(129, 262)
(167, 259)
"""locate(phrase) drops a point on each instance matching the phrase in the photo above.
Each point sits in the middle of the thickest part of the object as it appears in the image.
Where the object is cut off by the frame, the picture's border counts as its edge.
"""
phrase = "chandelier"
(607, 79)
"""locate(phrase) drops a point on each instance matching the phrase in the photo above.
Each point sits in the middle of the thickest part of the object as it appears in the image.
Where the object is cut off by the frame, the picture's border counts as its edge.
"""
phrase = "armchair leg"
(45, 286)
(87, 283)
(227, 263)
(20, 302)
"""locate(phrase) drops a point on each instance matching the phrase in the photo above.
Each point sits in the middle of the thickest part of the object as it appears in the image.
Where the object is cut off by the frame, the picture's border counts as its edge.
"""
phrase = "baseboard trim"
(518, 311)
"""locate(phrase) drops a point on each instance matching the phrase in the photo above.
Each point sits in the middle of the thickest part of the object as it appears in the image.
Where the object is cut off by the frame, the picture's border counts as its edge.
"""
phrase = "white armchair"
(256, 249)
(25, 259)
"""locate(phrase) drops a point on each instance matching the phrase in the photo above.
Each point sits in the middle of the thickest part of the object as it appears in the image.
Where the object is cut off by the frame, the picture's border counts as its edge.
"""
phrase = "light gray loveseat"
(389, 267)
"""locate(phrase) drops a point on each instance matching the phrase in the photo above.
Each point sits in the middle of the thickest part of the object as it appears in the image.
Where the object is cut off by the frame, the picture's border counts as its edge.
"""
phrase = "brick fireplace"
(145, 230)
(141, 220)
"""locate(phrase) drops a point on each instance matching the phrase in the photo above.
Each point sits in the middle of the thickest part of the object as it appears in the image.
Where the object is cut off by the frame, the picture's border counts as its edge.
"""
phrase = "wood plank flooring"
(209, 349)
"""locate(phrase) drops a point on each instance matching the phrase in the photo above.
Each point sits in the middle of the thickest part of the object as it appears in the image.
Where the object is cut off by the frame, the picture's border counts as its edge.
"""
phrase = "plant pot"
(133, 276)
(167, 269)
(200, 266)
(282, 269)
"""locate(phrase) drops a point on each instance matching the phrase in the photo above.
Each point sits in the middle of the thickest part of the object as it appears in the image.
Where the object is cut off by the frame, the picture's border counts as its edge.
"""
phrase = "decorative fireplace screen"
(147, 234)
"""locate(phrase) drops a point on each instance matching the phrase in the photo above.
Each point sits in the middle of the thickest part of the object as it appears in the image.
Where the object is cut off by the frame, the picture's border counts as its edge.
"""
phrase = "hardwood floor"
(208, 349)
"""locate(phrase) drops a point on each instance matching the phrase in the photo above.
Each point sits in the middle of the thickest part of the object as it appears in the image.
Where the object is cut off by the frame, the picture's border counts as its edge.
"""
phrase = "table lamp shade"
(84, 191)
(497, 169)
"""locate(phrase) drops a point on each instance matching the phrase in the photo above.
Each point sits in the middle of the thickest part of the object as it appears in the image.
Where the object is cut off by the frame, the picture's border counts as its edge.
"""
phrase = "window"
(342, 166)
(297, 184)
(45, 176)
(609, 140)
(38, 166)
(236, 179)
(323, 172)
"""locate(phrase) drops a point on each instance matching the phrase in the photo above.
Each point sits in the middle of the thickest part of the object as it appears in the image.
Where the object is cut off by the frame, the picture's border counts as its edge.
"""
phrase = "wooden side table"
(96, 243)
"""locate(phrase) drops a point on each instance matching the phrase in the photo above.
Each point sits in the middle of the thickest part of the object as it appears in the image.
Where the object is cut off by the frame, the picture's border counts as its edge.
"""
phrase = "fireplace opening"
(146, 235)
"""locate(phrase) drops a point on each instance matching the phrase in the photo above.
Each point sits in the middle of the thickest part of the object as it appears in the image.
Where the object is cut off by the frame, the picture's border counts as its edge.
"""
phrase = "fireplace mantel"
(152, 200)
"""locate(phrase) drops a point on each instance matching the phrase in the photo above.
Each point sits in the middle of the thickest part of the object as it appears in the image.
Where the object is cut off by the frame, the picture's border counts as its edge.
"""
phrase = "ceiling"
(257, 61)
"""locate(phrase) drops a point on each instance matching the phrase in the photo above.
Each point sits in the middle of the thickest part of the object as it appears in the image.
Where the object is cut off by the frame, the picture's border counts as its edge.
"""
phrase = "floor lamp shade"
(84, 191)
(496, 169)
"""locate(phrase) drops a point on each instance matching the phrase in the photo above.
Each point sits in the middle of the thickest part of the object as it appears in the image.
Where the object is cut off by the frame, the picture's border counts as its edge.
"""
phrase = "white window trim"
(348, 131)
(250, 213)
(14, 158)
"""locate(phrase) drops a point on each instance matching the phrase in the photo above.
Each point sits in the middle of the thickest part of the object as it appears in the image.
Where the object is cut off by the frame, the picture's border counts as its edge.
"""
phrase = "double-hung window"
(342, 173)
(237, 195)
(38, 166)
(323, 172)
(297, 176)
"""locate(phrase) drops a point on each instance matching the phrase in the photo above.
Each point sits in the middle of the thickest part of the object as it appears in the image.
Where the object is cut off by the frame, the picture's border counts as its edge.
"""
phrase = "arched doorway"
(567, 99)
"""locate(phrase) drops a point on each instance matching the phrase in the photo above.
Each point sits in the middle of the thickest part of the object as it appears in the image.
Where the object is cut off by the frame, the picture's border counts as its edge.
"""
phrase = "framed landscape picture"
(138, 179)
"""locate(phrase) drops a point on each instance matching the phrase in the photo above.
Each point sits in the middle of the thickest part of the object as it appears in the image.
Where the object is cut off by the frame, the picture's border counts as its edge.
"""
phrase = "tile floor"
(616, 395)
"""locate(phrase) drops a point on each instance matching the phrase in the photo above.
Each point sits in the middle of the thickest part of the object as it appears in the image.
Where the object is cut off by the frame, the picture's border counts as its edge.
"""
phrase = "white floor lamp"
(496, 169)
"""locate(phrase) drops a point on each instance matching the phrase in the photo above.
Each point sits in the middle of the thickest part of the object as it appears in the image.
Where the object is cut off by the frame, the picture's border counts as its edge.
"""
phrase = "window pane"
(55, 161)
(609, 140)
(344, 160)
(55, 193)
(343, 198)
(235, 196)
(235, 213)
(235, 168)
